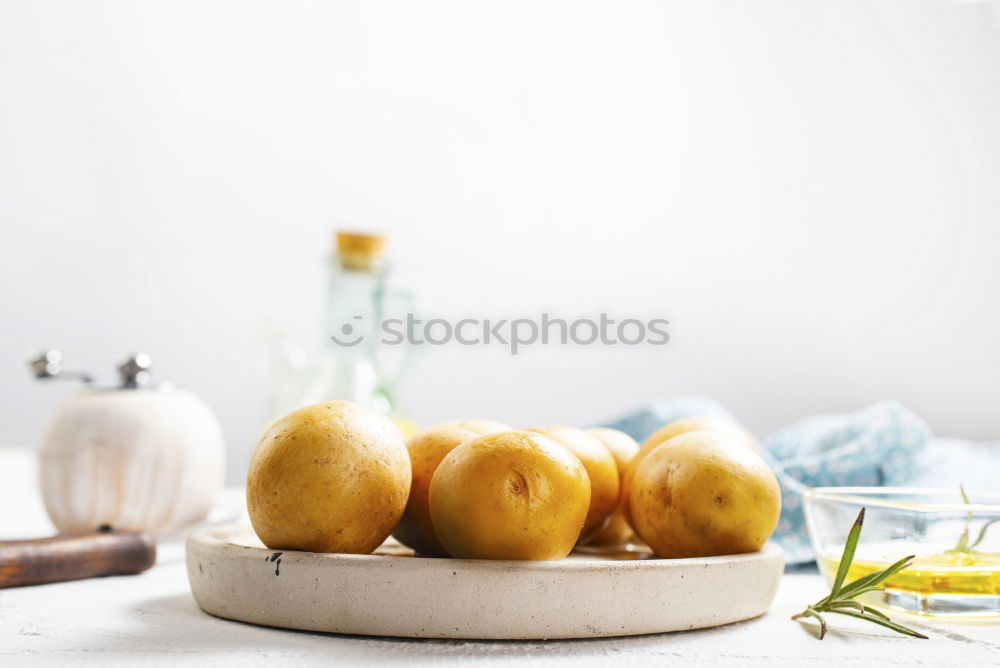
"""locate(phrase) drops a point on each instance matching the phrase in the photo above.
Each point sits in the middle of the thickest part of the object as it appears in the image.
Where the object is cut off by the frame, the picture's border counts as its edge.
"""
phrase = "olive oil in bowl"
(935, 584)
(956, 570)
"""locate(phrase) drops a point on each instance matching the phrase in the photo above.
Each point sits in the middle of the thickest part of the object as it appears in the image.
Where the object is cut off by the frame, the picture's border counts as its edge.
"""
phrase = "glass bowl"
(956, 571)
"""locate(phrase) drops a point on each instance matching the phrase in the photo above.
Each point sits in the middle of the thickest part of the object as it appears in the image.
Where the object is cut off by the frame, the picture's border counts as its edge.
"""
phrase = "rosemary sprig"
(963, 540)
(841, 601)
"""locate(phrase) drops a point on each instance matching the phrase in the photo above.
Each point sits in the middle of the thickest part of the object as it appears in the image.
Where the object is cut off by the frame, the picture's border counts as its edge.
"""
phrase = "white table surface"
(151, 619)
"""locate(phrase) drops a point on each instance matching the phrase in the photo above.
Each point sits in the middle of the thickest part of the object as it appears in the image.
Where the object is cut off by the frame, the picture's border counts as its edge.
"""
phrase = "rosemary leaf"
(882, 621)
(877, 613)
(861, 592)
(873, 579)
(810, 612)
(855, 605)
(845, 560)
(963, 540)
(982, 532)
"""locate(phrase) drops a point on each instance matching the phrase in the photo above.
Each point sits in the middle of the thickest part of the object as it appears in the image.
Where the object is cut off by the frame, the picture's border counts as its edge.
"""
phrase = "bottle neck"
(353, 306)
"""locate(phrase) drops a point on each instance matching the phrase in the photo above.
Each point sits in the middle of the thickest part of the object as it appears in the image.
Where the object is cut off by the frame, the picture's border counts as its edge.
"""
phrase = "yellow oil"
(966, 573)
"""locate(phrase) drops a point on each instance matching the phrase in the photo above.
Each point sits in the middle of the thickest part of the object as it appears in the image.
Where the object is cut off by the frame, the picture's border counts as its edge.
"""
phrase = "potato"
(668, 431)
(426, 449)
(601, 469)
(509, 495)
(478, 425)
(704, 493)
(331, 477)
(623, 448)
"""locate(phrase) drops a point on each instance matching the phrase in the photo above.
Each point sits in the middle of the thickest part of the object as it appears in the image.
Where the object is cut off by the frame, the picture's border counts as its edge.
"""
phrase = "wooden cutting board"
(386, 594)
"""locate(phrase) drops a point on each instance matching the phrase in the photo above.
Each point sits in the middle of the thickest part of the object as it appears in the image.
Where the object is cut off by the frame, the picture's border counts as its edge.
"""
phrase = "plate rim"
(214, 537)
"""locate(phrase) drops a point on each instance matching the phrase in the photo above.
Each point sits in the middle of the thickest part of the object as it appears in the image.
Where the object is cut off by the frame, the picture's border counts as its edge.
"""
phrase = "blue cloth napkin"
(879, 445)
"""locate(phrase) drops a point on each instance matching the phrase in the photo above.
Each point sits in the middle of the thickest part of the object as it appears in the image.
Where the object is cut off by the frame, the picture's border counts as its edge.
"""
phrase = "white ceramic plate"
(585, 596)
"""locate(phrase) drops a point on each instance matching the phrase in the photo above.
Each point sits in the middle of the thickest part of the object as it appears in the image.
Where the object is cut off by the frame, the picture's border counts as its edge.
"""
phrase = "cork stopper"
(359, 251)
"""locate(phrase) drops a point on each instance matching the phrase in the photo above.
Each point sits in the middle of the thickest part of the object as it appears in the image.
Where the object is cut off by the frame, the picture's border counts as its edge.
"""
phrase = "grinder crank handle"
(74, 557)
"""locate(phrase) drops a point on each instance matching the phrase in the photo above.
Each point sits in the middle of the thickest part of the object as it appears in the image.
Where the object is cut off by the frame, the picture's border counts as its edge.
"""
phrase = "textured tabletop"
(151, 619)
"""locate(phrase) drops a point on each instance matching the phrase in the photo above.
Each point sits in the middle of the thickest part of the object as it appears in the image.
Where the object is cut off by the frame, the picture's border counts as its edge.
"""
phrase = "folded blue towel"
(951, 462)
(879, 445)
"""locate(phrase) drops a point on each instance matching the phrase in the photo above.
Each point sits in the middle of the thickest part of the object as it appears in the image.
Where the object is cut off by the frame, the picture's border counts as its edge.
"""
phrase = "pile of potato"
(338, 477)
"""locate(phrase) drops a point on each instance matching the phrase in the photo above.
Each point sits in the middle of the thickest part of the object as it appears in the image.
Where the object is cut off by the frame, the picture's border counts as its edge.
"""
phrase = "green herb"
(963, 540)
(841, 598)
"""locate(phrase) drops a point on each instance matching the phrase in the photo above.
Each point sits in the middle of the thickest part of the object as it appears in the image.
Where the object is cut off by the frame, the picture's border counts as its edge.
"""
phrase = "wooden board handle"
(74, 557)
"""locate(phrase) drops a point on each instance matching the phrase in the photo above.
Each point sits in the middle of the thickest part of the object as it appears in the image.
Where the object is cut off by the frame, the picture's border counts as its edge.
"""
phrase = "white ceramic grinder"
(135, 457)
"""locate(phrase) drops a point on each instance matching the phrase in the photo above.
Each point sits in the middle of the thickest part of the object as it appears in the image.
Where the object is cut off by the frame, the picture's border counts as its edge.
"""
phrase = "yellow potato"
(704, 493)
(601, 469)
(684, 425)
(676, 428)
(427, 449)
(623, 448)
(331, 477)
(479, 426)
(509, 495)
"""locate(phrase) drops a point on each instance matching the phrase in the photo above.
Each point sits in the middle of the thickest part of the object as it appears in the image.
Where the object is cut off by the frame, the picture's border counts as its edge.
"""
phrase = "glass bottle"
(349, 365)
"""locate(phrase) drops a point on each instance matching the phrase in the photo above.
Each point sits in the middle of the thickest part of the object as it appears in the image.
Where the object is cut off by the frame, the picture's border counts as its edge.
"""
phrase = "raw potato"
(601, 469)
(623, 448)
(479, 426)
(331, 477)
(704, 493)
(684, 425)
(510, 495)
(668, 431)
(426, 449)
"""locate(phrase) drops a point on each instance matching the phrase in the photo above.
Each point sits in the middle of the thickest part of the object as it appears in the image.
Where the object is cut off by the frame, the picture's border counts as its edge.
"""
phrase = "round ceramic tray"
(388, 594)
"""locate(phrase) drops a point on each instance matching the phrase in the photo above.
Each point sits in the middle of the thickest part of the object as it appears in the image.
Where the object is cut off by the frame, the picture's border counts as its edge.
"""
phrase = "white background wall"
(807, 190)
